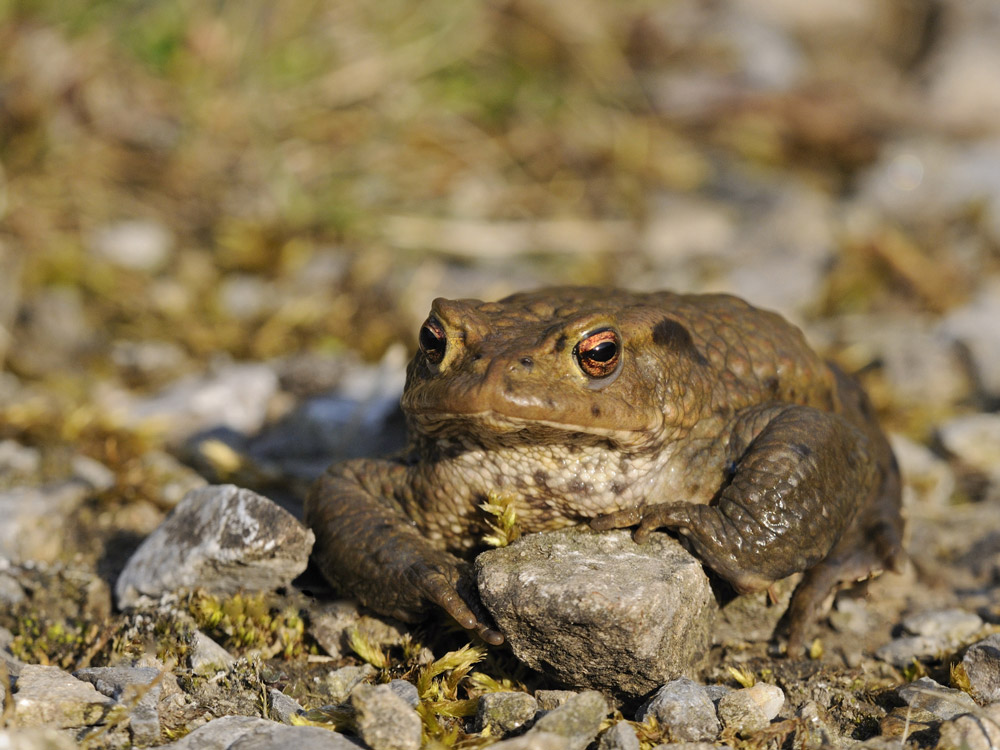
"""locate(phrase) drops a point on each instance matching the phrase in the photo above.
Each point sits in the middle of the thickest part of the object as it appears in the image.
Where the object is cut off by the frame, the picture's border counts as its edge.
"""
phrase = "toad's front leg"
(368, 548)
(799, 477)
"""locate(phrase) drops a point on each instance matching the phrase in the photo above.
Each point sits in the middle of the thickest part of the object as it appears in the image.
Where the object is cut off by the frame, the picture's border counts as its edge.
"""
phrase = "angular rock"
(599, 610)
(49, 697)
(33, 519)
(976, 730)
(501, 713)
(138, 690)
(982, 666)
(222, 539)
(250, 733)
(685, 707)
(751, 709)
(206, 656)
(620, 736)
(383, 720)
(943, 702)
(577, 720)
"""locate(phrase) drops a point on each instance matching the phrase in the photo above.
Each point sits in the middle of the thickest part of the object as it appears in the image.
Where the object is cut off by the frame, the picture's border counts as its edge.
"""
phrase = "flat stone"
(136, 688)
(577, 720)
(943, 702)
(222, 539)
(33, 520)
(982, 666)
(685, 707)
(250, 733)
(597, 609)
(383, 720)
(49, 697)
(501, 713)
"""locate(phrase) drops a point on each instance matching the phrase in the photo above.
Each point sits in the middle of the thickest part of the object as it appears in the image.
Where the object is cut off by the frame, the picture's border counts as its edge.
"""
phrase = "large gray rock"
(249, 733)
(219, 538)
(599, 610)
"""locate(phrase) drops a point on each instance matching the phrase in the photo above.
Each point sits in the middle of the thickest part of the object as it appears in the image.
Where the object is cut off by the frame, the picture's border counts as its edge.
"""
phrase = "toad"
(699, 414)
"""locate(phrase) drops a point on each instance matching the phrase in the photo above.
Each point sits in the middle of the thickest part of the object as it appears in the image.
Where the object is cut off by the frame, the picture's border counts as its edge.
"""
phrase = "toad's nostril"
(527, 362)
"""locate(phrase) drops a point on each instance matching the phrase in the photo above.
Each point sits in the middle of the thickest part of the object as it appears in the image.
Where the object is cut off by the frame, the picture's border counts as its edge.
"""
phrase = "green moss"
(250, 623)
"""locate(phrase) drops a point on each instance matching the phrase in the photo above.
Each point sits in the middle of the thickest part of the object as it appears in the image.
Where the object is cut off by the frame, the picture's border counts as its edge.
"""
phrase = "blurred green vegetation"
(262, 135)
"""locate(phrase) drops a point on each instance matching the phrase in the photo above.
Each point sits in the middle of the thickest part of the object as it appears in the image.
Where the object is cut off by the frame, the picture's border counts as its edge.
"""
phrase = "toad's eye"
(600, 353)
(432, 340)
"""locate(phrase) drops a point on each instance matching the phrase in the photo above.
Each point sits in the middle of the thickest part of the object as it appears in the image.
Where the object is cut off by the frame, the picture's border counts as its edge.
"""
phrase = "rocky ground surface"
(220, 229)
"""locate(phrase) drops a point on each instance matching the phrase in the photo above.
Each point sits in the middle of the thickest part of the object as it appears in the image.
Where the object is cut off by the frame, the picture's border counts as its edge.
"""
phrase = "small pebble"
(502, 713)
(620, 736)
(751, 709)
(207, 656)
(383, 720)
(283, 707)
(685, 707)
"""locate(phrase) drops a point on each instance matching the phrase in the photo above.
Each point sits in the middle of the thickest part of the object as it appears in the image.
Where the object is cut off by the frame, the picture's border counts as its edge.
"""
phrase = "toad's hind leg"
(800, 476)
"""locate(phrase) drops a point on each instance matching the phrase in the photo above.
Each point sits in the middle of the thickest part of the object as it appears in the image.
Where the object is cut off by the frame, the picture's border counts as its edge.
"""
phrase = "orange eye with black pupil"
(432, 340)
(598, 354)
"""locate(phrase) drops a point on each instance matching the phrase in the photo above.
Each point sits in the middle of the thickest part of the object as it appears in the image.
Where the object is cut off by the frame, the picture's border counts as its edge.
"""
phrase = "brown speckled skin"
(720, 424)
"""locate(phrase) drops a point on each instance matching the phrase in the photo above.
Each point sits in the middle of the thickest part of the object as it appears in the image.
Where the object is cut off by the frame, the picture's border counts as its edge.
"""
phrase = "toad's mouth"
(490, 426)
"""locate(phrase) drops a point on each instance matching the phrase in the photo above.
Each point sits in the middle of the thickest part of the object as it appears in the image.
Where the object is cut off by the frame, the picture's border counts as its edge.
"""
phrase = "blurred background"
(187, 184)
